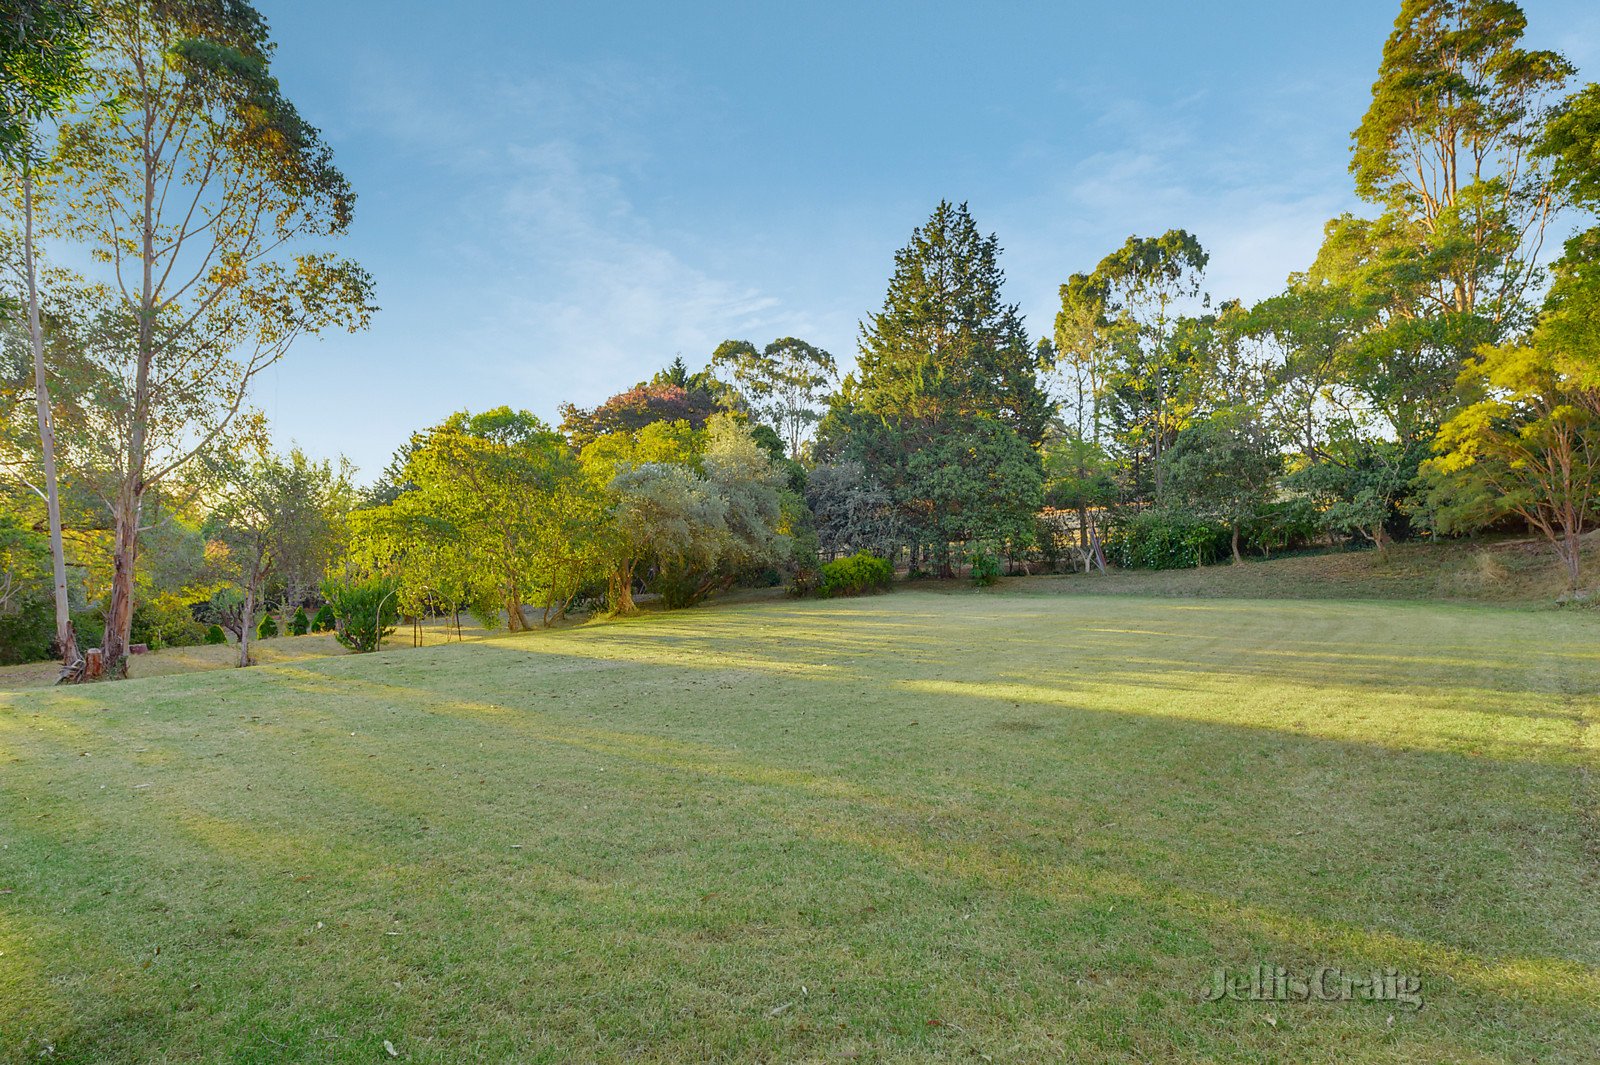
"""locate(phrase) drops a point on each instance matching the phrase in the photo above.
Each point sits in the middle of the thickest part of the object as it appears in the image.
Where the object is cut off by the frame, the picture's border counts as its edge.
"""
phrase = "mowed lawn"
(915, 827)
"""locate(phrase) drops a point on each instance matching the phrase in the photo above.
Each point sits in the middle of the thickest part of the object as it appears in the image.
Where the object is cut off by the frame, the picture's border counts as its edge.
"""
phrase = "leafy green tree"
(508, 491)
(1143, 283)
(945, 368)
(1445, 150)
(639, 507)
(784, 383)
(42, 65)
(1359, 489)
(364, 611)
(1079, 476)
(206, 194)
(1080, 355)
(1226, 466)
(977, 481)
(299, 625)
(272, 512)
(694, 529)
(1526, 440)
(1532, 439)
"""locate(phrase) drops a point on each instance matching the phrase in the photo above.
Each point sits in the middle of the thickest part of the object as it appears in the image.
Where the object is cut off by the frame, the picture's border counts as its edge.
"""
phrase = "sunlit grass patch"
(920, 826)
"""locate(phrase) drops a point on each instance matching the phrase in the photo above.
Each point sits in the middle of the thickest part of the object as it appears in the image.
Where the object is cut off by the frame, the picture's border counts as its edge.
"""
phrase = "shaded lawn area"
(907, 828)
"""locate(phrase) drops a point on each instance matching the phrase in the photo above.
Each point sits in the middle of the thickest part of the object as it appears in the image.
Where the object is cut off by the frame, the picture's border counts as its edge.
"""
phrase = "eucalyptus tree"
(784, 383)
(43, 46)
(206, 196)
(1445, 149)
(1526, 440)
(1144, 283)
(1079, 354)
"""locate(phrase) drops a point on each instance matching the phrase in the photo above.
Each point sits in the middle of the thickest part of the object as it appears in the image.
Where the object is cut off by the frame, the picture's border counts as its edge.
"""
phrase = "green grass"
(906, 828)
(1494, 570)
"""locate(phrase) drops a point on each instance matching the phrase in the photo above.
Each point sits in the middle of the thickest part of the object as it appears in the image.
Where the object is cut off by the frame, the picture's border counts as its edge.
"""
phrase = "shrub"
(1156, 539)
(985, 568)
(29, 634)
(806, 582)
(90, 625)
(268, 628)
(324, 621)
(356, 611)
(1284, 525)
(859, 574)
(299, 625)
(215, 635)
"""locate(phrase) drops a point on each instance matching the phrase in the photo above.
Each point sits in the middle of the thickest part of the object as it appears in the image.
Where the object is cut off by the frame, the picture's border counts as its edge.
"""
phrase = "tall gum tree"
(204, 194)
(42, 53)
(1446, 148)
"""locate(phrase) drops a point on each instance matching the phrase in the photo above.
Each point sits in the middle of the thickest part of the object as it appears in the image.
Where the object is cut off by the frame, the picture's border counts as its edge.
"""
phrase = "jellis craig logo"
(1274, 983)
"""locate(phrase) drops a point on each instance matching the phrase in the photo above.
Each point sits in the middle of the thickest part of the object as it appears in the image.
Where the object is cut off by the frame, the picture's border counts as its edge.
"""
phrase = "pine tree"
(945, 342)
(946, 412)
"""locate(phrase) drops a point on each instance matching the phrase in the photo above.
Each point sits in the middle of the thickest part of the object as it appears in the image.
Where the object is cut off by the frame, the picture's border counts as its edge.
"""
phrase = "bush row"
(859, 574)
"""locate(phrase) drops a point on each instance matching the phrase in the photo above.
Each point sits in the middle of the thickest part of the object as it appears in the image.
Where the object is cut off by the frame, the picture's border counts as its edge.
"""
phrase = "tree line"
(1432, 372)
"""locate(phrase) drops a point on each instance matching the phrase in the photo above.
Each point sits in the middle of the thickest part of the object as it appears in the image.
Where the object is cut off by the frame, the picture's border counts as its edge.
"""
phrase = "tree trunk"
(66, 639)
(622, 590)
(119, 609)
(1571, 551)
(1236, 557)
(130, 494)
(246, 615)
(515, 621)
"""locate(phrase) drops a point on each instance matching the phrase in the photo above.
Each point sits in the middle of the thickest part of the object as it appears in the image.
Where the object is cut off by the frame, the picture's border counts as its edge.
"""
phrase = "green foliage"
(26, 601)
(979, 480)
(324, 621)
(364, 611)
(500, 514)
(859, 574)
(1361, 489)
(215, 635)
(1283, 525)
(167, 619)
(1225, 466)
(43, 52)
(299, 625)
(27, 632)
(1528, 443)
(947, 283)
(268, 628)
(948, 429)
(984, 566)
(783, 383)
(690, 527)
(1165, 539)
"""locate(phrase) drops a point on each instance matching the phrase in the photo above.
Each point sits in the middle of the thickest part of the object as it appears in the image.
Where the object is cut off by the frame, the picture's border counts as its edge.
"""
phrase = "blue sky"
(557, 199)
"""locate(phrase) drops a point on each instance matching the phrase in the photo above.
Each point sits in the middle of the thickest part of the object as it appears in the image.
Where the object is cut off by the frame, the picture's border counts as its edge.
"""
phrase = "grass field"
(965, 827)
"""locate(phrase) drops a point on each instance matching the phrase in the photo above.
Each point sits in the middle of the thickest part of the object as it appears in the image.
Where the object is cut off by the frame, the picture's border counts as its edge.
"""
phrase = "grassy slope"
(1498, 571)
(905, 828)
